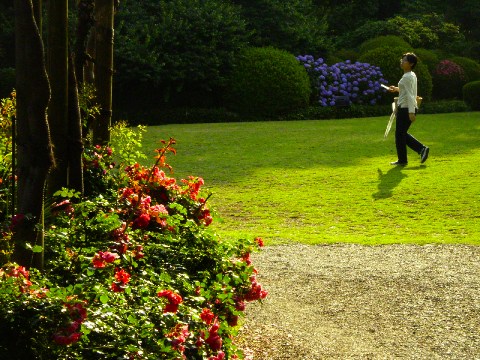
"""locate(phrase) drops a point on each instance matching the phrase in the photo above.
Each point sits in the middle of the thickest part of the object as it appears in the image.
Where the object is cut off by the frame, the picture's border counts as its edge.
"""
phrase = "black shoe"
(424, 154)
(398, 163)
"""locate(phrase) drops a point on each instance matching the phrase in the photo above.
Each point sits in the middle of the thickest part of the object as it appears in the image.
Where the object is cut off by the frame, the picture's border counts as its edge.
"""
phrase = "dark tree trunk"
(89, 68)
(37, 13)
(58, 74)
(75, 141)
(104, 13)
(86, 21)
(33, 138)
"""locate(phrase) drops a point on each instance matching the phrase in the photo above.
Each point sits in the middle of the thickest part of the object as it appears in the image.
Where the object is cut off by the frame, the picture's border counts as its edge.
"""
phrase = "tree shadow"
(388, 181)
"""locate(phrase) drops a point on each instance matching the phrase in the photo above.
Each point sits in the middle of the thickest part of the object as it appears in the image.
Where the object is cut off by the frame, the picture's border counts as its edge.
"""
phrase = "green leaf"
(37, 249)
(104, 299)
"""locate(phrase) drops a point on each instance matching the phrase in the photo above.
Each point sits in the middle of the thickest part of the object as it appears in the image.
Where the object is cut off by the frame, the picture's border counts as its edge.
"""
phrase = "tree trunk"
(86, 21)
(58, 74)
(75, 141)
(33, 139)
(37, 13)
(104, 13)
(89, 68)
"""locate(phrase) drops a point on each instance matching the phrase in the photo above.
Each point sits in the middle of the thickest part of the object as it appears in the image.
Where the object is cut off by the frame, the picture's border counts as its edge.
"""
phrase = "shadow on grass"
(388, 181)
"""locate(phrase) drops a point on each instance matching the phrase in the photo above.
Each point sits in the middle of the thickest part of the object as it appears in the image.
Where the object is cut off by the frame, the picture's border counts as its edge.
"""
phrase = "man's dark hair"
(411, 58)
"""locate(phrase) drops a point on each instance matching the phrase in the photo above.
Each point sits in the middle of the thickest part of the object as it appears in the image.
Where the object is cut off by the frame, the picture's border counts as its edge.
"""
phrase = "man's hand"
(412, 117)
(393, 88)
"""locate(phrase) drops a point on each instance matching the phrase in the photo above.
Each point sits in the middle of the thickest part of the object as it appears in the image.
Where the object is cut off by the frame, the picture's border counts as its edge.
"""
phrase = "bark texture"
(35, 155)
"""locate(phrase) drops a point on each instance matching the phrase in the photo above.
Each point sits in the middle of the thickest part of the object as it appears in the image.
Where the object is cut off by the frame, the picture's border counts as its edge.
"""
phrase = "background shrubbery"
(448, 80)
(388, 59)
(471, 94)
(267, 82)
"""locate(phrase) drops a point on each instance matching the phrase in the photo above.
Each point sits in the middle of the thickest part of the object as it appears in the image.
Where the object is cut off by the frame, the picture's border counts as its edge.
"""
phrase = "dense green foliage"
(362, 111)
(175, 52)
(384, 41)
(268, 82)
(388, 59)
(470, 67)
(7, 116)
(296, 25)
(176, 55)
(132, 270)
(471, 94)
(428, 57)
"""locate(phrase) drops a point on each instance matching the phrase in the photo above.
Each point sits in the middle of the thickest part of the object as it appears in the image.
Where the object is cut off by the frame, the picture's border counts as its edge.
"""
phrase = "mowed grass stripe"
(330, 181)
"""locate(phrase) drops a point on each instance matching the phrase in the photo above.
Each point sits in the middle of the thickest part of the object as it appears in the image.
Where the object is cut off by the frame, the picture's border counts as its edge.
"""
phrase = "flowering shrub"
(130, 273)
(360, 82)
(7, 113)
(448, 80)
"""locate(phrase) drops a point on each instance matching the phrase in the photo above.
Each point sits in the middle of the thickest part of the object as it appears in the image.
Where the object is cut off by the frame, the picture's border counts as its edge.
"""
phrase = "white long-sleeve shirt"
(407, 91)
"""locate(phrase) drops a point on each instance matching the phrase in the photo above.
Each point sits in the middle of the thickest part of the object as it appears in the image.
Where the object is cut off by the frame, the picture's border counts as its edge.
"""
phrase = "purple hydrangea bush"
(360, 82)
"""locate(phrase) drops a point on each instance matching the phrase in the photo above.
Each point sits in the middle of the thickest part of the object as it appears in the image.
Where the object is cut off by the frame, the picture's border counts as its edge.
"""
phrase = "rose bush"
(132, 271)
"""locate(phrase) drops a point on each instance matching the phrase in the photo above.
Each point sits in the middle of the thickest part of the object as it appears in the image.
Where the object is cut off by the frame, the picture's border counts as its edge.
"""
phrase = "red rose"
(141, 222)
(108, 256)
(207, 316)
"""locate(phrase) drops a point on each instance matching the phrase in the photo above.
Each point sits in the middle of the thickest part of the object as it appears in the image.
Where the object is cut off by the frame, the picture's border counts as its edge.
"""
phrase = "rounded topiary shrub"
(267, 82)
(471, 94)
(388, 59)
(448, 80)
(428, 57)
(469, 66)
(390, 41)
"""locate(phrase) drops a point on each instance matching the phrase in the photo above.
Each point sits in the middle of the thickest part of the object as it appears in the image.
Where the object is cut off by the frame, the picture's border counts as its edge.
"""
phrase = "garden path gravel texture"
(359, 302)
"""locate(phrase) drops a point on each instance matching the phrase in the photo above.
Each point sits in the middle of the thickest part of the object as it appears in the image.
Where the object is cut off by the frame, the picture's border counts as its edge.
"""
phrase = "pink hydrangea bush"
(448, 79)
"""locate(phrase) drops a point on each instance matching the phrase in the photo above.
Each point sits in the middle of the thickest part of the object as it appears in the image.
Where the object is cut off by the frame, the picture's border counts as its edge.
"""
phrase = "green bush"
(388, 41)
(297, 26)
(443, 106)
(364, 111)
(428, 57)
(369, 30)
(471, 94)
(346, 54)
(388, 59)
(175, 51)
(267, 82)
(470, 67)
(183, 115)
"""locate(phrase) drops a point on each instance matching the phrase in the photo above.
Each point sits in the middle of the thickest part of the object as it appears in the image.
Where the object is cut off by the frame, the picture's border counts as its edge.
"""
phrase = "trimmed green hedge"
(469, 66)
(267, 82)
(314, 112)
(471, 94)
(388, 41)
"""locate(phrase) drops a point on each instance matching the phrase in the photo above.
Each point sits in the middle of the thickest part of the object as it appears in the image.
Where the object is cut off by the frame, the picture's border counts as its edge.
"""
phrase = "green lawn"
(331, 181)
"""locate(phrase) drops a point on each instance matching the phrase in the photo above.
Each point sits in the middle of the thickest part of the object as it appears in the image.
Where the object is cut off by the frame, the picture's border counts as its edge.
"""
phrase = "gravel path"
(358, 302)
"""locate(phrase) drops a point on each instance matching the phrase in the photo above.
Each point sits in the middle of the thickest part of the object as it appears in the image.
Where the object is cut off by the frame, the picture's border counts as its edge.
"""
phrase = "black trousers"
(403, 138)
